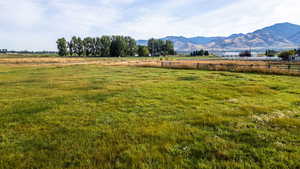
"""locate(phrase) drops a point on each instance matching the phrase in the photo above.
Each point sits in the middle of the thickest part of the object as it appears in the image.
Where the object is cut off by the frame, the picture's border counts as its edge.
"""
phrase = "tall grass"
(233, 66)
(94, 116)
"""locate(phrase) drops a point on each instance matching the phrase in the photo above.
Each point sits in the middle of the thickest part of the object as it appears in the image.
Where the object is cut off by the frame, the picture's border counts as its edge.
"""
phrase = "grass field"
(93, 116)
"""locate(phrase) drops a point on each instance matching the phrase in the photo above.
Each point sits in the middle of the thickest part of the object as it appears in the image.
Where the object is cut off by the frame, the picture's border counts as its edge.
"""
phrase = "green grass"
(90, 116)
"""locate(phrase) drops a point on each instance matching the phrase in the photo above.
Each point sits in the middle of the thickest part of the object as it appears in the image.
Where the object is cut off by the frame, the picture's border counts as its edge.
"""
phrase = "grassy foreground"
(88, 116)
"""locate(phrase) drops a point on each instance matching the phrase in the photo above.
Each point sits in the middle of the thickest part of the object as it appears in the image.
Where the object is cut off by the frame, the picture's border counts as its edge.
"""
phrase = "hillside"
(281, 35)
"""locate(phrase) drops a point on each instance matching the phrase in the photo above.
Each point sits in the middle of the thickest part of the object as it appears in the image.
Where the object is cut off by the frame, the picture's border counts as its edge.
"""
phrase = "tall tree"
(270, 53)
(131, 46)
(62, 47)
(71, 48)
(143, 51)
(105, 46)
(118, 46)
(158, 47)
(170, 47)
(79, 47)
(88, 44)
(287, 55)
(206, 53)
(151, 46)
(98, 46)
(298, 52)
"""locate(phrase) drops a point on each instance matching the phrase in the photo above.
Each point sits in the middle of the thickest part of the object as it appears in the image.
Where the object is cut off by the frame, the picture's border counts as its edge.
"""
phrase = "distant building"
(231, 54)
(297, 57)
(237, 54)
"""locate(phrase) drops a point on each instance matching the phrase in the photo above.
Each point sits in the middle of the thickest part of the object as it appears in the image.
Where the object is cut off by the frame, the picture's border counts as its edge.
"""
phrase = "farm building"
(297, 58)
(236, 54)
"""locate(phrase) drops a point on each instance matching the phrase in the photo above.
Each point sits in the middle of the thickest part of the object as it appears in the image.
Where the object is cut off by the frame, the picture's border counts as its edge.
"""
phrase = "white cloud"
(36, 24)
(20, 14)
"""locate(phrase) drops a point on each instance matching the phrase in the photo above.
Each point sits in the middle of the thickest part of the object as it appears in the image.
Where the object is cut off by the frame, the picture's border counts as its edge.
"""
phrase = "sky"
(37, 24)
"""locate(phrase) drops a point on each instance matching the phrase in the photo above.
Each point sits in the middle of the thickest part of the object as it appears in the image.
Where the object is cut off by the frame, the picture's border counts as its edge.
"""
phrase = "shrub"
(286, 55)
(143, 51)
(246, 53)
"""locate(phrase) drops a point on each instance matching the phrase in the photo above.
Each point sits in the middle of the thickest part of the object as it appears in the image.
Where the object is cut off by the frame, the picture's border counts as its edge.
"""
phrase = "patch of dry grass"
(214, 65)
(282, 68)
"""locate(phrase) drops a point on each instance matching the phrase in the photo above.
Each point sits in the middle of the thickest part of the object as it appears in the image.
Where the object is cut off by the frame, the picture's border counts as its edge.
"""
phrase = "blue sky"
(36, 24)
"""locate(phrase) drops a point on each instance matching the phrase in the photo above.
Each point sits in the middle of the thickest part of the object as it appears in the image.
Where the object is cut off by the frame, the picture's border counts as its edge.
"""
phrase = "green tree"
(206, 53)
(287, 55)
(105, 46)
(62, 47)
(131, 46)
(88, 44)
(170, 48)
(97, 47)
(270, 53)
(118, 46)
(71, 48)
(78, 46)
(143, 51)
(151, 46)
(158, 47)
(298, 52)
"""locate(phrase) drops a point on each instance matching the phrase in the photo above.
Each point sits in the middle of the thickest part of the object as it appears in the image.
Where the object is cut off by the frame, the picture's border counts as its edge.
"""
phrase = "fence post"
(289, 66)
(198, 65)
(162, 64)
(269, 66)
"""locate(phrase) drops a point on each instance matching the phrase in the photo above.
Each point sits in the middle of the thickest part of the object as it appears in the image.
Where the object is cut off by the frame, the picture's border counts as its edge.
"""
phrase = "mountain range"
(281, 35)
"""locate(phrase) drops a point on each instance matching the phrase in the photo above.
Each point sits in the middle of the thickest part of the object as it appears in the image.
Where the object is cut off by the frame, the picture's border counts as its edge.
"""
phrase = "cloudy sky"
(36, 24)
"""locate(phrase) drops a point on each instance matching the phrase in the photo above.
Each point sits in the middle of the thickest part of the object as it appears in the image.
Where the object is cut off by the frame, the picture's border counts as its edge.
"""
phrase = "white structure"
(236, 54)
(264, 58)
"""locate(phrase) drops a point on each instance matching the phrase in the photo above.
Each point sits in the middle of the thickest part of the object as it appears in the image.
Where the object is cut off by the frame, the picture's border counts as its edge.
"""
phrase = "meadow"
(97, 116)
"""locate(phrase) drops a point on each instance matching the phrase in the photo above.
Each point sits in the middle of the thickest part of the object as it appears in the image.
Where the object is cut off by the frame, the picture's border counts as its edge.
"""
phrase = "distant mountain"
(285, 30)
(295, 39)
(190, 44)
(199, 40)
(142, 42)
(276, 36)
(186, 44)
(282, 35)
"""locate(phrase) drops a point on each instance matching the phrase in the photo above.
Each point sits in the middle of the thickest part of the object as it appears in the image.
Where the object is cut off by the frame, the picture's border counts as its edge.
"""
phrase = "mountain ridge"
(280, 35)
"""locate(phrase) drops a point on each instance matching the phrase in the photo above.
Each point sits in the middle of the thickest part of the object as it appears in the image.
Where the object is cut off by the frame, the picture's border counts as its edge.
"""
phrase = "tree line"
(271, 53)
(112, 46)
(200, 53)
(158, 47)
(3, 50)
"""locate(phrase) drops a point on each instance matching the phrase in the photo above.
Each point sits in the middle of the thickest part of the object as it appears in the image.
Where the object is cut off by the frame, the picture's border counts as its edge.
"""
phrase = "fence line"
(275, 68)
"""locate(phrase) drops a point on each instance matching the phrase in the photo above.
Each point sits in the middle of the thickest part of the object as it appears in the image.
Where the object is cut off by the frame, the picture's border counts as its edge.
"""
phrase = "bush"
(286, 55)
(143, 51)
(246, 53)
(270, 53)
(200, 53)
